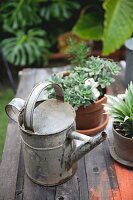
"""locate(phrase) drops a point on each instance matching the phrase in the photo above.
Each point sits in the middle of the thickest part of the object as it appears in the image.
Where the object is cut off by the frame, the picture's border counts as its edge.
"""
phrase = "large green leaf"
(19, 14)
(26, 48)
(118, 24)
(89, 26)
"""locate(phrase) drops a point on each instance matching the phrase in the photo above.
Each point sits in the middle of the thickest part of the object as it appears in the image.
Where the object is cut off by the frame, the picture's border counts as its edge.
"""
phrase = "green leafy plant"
(89, 25)
(26, 48)
(78, 52)
(19, 14)
(84, 84)
(112, 23)
(121, 109)
(19, 19)
(59, 9)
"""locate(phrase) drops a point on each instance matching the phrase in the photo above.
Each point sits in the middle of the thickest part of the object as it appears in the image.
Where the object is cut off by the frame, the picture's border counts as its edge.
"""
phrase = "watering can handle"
(13, 109)
(32, 99)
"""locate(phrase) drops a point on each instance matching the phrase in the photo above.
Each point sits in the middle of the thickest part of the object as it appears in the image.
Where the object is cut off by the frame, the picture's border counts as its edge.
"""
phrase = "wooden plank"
(76, 188)
(9, 165)
(125, 181)
(69, 190)
(124, 175)
(100, 172)
(20, 177)
(10, 158)
(97, 175)
(33, 191)
(82, 180)
(111, 173)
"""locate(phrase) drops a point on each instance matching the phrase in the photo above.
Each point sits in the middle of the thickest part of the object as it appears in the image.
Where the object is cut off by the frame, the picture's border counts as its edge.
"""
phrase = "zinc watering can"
(48, 134)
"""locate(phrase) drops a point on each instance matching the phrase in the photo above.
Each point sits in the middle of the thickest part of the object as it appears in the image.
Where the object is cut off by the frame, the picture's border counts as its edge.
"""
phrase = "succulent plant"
(83, 85)
(121, 109)
(88, 77)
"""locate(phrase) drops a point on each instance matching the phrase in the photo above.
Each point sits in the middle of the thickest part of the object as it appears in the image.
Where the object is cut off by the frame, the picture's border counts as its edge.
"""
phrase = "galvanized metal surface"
(48, 133)
(55, 116)
(129, 61)
(14, 108)
(32, 99)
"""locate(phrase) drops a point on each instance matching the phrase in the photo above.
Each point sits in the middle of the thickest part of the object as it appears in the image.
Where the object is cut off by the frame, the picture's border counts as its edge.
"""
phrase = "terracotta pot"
(98, 129)
(89, 117)
(123, 149)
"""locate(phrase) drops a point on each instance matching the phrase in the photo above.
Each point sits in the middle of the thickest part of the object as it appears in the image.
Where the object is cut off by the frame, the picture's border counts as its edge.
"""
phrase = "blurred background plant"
(108, 21)
(30, 28)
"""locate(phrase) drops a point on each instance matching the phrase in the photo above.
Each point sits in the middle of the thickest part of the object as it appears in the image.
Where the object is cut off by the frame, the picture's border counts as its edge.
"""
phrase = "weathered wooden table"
(98, 176)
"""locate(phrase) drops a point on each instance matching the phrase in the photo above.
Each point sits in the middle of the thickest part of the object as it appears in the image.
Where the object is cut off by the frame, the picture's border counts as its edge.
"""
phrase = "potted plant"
(121, 109)
(85, 85)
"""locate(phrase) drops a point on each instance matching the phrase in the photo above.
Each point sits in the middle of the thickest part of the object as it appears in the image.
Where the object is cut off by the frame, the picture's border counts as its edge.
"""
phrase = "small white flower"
(96, 93)
(91, 82)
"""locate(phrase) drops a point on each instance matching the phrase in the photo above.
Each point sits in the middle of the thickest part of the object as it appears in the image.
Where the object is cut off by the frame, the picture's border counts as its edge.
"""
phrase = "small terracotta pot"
(90, 116)
(123, 147)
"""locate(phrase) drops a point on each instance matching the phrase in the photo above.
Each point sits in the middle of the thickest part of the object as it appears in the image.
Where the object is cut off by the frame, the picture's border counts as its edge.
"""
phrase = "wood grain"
(11, 152)
(98, 176)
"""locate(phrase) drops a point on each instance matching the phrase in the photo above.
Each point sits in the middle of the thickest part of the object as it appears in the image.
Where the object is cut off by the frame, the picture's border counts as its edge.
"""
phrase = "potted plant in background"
(85, 85)
(30, 29)
(121, 109)
(100, 20)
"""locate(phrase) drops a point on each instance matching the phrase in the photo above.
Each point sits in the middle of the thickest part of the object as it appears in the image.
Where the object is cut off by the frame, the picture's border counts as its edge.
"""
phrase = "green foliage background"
(31, 27)
(111, 22)
(5, 96)
(107, 20)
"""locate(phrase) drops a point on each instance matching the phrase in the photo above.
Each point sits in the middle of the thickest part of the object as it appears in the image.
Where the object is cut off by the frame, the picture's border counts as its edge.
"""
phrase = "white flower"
(96, 93)
(90, 82)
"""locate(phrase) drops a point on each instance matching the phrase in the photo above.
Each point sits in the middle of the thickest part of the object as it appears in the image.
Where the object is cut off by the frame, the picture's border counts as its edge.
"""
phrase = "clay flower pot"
(122, 149)
(90, 116)
(91, 120)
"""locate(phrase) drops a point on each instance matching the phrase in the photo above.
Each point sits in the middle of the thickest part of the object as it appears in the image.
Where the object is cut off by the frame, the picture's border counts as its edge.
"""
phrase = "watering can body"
(50, 152)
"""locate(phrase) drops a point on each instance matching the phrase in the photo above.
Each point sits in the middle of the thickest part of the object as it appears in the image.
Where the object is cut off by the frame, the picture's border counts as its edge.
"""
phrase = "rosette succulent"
(121, 109)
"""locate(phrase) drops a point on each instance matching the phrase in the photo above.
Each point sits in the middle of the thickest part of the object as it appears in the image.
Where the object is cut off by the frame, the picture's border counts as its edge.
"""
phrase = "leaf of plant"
(118, 24)
(89, 26)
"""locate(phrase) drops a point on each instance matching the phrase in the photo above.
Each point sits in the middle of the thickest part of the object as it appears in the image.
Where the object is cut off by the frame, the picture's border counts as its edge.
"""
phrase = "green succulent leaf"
(118, 24)
(122, 110)
(89, 26)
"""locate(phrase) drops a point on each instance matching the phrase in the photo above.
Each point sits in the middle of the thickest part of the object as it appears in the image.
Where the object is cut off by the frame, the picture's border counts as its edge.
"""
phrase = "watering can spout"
(90, 143)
